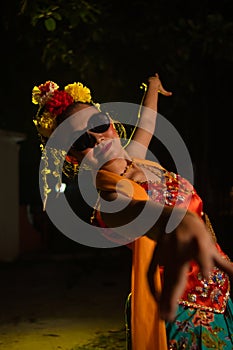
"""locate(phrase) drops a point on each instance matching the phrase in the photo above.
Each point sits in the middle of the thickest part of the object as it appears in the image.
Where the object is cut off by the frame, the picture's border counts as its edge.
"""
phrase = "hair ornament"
(52, 102)
(57, 157)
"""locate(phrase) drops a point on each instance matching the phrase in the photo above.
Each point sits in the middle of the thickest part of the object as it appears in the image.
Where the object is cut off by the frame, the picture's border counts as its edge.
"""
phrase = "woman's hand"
(156, 85)
(189, 241)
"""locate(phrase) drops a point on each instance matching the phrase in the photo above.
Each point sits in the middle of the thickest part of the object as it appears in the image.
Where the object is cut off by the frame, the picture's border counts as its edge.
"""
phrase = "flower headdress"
(53, 102)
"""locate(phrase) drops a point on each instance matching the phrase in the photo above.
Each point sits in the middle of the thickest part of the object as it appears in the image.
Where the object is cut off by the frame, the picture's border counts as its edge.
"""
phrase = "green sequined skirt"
(194, 329)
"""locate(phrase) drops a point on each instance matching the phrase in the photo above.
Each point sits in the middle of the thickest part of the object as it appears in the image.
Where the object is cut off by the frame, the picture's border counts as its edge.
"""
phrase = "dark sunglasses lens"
(99, 123)
(85, 141)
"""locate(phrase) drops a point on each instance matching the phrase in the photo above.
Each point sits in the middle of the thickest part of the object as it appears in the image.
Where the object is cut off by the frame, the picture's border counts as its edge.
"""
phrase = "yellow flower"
(79, 92)
(45, 124)
(36, 95)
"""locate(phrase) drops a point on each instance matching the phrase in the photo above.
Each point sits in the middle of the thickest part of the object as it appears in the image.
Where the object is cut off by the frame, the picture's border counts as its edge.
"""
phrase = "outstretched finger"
(163, 91)
(154, 265)
(174, 282)
(205, 261)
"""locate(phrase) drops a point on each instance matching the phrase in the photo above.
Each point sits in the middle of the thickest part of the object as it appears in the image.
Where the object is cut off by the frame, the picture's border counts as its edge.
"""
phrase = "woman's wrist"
(180, 216)
(154, 86)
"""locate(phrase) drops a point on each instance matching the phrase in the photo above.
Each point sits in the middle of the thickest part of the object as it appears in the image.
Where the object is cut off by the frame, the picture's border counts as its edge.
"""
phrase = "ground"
(67, 302)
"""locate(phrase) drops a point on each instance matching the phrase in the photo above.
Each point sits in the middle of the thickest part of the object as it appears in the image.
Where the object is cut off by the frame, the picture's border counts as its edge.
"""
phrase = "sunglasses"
(98, 123)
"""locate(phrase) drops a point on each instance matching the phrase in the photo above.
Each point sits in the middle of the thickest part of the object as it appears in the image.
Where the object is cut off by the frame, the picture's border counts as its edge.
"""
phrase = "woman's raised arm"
(146, 126)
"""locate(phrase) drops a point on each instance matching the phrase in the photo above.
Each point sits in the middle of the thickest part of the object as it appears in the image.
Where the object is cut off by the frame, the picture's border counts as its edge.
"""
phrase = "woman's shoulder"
(149, 163)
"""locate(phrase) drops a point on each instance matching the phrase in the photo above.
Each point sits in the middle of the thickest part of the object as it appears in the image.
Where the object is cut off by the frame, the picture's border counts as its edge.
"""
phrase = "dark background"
(113, 47)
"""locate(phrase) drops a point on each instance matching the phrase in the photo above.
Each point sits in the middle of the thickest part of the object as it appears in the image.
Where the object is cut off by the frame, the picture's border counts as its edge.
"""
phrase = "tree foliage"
(121, 41)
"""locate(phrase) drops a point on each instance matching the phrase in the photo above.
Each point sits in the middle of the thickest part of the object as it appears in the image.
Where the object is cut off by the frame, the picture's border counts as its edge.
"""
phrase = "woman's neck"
(117, 165)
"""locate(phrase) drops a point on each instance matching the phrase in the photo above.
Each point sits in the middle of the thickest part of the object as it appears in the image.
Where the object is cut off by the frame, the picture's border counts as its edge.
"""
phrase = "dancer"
(180, 284)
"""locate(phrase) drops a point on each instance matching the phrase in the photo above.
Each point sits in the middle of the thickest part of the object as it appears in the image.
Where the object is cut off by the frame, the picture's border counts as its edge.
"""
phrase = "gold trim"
(206, 308)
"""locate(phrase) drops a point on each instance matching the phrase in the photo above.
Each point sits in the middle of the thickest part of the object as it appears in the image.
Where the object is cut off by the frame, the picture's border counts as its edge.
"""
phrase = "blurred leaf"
(57, 16)
(50, 24)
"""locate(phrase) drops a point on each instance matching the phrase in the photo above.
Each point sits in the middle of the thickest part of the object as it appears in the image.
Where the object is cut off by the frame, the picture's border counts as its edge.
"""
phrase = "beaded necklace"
(128, 166)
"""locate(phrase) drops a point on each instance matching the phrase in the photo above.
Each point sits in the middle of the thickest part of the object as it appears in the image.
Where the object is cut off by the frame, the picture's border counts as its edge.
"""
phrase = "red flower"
(49, 86)
(59, 102)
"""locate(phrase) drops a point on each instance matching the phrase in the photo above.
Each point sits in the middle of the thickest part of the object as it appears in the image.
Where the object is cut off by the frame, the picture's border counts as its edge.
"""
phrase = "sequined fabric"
(195, 329)
(170, 190)
(210, 295)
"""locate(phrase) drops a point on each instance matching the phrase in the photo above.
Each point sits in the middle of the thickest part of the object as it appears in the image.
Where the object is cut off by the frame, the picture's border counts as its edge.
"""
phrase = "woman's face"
(96, 138)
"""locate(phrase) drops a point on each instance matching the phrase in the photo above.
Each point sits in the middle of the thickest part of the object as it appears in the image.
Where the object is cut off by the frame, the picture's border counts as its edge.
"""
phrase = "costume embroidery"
(210, 295)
